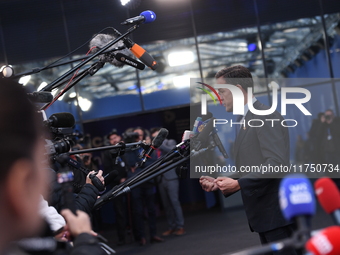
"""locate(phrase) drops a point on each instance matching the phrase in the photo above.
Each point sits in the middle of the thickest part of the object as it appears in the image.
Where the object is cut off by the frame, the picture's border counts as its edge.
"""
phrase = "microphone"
(40, 97)
(144, 17)
(156, 142)
(297, 201)
(329, 197)
(202, 139)
(141, 54)
(129, 61)
(61, 120)
(101, 40)
(325, 242)
(219, 144)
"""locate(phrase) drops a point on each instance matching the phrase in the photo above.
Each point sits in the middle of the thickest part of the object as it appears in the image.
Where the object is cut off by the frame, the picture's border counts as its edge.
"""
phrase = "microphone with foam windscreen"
(329, 197)
(40, 97)
(101, 40)
(326, 242)
(61, 120)
(144, 17)
(156, 142)
(297, 201)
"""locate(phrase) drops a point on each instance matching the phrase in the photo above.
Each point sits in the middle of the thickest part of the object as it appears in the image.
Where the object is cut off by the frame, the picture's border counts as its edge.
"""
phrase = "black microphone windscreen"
(110, 177)
(101, 40)
(40, 97)
(62, 119)
(159, 139)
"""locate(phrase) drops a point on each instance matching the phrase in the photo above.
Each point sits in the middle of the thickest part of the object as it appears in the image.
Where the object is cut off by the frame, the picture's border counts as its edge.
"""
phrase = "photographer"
(24, 176)
(84, 200)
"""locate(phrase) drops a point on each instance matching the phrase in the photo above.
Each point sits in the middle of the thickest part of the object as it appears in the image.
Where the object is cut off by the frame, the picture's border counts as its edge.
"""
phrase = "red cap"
(328, 194)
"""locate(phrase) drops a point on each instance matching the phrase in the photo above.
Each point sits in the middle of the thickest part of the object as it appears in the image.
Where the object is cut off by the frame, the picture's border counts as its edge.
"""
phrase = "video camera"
(60, 127)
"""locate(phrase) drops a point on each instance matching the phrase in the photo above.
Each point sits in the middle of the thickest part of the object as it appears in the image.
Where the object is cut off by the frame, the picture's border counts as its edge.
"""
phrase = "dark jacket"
(84, 200)
(256, 146)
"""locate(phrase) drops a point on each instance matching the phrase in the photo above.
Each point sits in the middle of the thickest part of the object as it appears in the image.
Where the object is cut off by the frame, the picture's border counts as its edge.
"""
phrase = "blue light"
(252, 47)
(132, 87)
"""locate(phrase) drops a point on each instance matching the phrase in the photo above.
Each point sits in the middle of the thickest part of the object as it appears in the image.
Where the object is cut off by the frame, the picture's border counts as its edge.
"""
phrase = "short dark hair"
(236, 75)
(154, 129)
(20, 126)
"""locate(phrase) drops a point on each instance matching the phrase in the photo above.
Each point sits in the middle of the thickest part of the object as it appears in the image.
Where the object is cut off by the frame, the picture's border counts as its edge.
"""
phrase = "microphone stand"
(54, 84)
(38, 70)
(122, 146)
(177, 156)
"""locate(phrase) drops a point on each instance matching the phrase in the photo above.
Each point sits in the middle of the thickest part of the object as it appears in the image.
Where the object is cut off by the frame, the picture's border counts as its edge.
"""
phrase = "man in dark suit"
(255, 146)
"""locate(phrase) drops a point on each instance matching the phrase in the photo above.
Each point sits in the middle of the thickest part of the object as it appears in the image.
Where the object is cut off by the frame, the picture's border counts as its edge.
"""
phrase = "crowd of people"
(46, 206)
(140, 203)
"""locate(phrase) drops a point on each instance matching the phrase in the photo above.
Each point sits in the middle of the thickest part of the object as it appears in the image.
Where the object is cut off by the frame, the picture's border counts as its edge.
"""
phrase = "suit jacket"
(256, 146)
(168, 145)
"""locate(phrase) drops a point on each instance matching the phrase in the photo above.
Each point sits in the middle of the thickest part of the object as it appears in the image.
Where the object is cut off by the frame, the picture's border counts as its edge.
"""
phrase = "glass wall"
(294, 49)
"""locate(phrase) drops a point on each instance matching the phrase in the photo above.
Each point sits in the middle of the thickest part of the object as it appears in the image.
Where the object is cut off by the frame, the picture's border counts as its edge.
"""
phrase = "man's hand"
(77, 224)
(99, 175)
(208, 183)
(227, 185)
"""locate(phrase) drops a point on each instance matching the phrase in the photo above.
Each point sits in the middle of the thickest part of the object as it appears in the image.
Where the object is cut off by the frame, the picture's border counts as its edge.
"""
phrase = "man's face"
(226, 95)
(114, 139)
(329, 116)
(141, 134)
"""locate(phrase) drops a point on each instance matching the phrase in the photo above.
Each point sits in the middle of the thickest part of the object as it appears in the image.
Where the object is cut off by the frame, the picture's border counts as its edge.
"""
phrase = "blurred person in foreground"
(24, 176)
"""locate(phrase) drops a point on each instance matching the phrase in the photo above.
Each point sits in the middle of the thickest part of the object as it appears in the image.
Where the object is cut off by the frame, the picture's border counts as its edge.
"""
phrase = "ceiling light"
(181, 81)
(273, 85)
(290, 30)
(7, 71)
(279, 40)
(24, 80)
(124, 2)
(84, 104)
(42, 85)
(179, 58)
(252, 47)
(72, 95)
(61, 97)
(54, 92)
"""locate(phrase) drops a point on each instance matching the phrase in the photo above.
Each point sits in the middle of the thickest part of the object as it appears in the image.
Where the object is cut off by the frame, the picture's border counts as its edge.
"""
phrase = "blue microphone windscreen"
(149, 16)
(296, 196)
